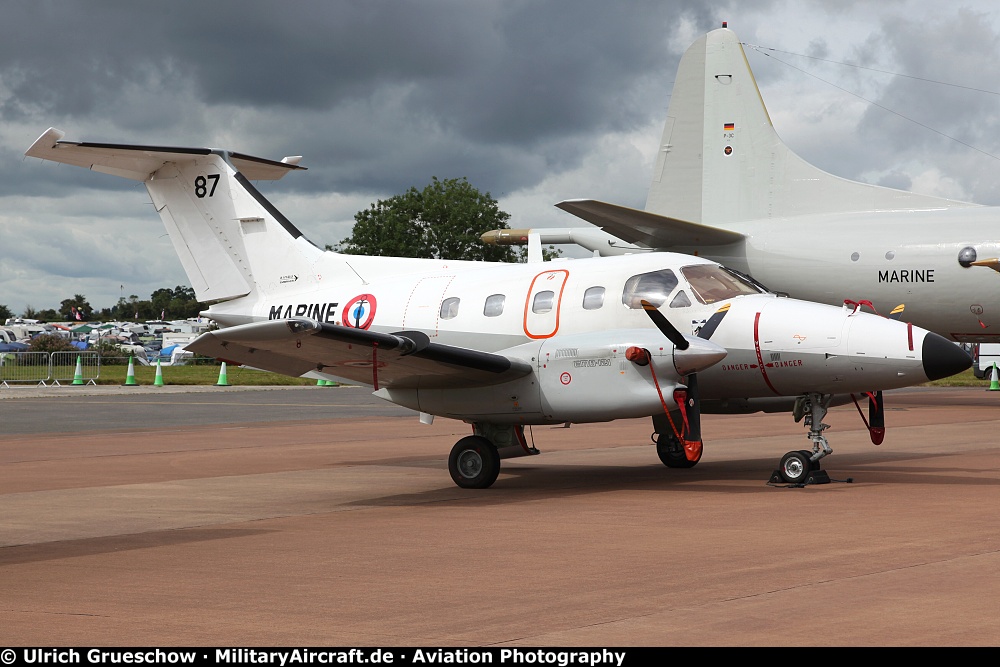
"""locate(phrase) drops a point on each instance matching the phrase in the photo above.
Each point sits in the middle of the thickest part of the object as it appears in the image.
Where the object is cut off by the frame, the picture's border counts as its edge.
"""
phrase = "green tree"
(442, 221)
(79, 304)
(5, 313)
(179, 302)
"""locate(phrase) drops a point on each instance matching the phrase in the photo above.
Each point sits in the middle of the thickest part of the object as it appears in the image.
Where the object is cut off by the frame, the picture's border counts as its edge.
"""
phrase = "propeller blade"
(897, 312)
(713, 322)
(665, 327)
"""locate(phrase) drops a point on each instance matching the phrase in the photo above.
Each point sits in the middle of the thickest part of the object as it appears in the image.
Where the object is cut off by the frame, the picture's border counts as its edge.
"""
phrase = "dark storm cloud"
(377, 93)
(959, 123)
(951, 110)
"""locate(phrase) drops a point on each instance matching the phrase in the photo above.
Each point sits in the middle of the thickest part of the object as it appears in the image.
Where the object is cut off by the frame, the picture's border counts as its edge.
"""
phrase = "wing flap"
(649, 229)
(406, 359)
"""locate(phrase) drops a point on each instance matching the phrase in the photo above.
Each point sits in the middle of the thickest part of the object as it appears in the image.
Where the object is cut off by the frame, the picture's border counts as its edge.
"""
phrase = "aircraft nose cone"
(942, 358)
(700, 355)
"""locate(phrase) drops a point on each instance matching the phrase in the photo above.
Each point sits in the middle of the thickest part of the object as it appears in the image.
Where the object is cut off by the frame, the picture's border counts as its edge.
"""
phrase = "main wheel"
(474, 463)
(671, 452)
(795, 467)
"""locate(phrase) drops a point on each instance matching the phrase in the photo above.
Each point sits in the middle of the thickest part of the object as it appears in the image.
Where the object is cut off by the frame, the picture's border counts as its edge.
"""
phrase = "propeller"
(713, 323)
(688, 400)
(665, 327)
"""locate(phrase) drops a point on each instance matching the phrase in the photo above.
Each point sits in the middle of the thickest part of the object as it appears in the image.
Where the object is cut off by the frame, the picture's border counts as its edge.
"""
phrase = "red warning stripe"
(760, 359)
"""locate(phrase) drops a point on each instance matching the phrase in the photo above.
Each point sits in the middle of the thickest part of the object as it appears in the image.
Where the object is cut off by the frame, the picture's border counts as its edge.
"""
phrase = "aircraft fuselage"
(888, 258)
(561, 318)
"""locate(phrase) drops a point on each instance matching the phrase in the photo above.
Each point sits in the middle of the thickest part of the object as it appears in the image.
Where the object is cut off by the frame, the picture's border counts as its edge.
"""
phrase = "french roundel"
(359, 311)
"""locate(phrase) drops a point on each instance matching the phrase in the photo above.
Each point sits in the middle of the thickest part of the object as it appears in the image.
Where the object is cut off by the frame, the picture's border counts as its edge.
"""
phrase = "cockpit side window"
(680, 300)
(711, 283)
(653, 287)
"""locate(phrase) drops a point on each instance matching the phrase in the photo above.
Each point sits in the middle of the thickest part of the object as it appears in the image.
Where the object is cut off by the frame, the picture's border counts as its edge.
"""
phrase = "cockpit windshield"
(654, 287)
(712, 283)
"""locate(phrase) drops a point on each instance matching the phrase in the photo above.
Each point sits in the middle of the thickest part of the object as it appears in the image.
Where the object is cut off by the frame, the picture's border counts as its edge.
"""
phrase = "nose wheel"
(802, 467)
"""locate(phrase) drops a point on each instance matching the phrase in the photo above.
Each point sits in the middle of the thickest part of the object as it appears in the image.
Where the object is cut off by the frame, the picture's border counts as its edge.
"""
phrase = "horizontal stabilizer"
(406, 359)
(140, 162)
(648, 229)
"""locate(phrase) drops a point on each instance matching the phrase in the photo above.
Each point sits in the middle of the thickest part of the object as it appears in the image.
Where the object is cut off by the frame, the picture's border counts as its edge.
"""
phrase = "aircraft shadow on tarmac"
(523, 481)
(93, 546)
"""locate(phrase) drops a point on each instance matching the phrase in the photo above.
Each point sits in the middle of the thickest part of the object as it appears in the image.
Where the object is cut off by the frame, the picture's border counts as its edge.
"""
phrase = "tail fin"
(231, 241)
(721, 161)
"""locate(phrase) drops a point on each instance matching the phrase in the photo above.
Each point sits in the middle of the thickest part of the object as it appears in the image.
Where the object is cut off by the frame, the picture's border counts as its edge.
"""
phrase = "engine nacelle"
(577, 378)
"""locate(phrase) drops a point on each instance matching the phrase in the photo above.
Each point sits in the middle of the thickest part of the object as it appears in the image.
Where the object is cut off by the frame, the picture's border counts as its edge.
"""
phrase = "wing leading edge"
(407, 359)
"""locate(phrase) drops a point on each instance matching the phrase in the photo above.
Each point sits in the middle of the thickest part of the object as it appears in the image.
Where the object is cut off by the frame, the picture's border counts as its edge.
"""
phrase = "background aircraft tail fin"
(721, 161)
(231, 241)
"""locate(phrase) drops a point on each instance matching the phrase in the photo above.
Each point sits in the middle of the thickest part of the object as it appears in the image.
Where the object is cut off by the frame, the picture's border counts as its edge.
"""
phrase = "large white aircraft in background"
(502, 346)
(726, 188)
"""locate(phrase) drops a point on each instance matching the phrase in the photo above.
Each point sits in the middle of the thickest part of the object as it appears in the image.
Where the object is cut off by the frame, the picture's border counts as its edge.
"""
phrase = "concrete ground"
(324, 517)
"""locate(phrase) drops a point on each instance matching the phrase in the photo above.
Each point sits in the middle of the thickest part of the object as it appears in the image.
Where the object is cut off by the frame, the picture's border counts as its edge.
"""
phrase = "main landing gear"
(802, 467)
(474, 462)
(669, 447)
(671, 451)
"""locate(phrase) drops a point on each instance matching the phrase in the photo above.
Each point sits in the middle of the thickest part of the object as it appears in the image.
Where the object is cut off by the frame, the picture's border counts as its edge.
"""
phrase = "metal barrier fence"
(24, 367)
(41, 368)
(77, 367)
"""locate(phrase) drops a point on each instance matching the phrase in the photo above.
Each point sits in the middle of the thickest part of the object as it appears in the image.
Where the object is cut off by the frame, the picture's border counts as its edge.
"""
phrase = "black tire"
(474, 463)
(795, 467)
(671, 452)
(813, 465)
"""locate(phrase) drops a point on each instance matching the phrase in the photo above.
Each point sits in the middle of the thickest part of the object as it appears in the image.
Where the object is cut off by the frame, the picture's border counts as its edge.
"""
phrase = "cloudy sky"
(533, 101)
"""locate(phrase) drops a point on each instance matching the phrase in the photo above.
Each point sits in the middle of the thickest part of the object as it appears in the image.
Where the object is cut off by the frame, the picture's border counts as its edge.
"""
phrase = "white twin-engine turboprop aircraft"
(502, 346)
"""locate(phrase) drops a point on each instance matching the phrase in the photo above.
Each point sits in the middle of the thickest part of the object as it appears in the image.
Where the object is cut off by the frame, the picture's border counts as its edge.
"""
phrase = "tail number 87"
(201, 186)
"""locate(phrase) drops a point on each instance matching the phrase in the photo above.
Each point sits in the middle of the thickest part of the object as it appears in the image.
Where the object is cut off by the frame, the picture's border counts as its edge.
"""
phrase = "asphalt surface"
(325, 517)
(30, 410)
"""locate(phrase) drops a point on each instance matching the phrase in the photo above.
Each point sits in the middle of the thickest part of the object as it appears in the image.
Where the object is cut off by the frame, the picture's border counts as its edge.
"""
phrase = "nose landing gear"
(802, 467)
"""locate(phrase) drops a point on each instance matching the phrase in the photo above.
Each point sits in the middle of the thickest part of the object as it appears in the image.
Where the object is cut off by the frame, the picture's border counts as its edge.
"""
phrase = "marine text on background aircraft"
(907, 276)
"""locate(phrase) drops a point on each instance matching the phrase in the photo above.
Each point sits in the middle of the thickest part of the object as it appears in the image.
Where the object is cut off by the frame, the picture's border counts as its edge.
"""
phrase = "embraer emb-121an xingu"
(502, 346)
(726, 187)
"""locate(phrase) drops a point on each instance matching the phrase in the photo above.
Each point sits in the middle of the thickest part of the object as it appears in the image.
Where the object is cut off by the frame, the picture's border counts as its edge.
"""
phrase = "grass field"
(208, 374)
(181, 375)
(963, 379)
(204, 375)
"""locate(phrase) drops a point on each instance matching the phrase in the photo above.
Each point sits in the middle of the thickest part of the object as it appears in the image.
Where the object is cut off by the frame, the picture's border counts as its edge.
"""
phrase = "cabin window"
(711, 283)
(593, 298)
(653, 287)
(449, 308)
(681, 300)
(542, 303)
(494, 305)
